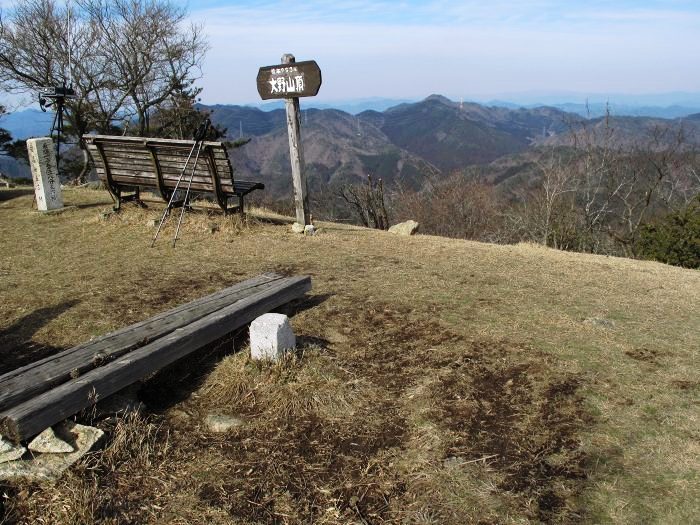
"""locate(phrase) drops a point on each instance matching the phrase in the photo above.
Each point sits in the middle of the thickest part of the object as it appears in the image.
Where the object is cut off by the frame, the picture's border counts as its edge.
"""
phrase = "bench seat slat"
(131, 165)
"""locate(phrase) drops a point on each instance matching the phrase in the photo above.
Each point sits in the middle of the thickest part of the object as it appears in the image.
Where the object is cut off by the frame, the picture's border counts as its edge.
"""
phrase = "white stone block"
(47, 186)
(270, 337)
(49, 443)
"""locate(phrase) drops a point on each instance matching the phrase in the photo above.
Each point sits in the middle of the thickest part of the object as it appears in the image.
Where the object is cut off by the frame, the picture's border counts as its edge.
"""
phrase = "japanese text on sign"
(287, 84)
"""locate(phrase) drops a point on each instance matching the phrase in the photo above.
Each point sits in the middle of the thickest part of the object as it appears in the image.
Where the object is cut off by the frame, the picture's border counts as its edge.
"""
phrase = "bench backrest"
(158, 163)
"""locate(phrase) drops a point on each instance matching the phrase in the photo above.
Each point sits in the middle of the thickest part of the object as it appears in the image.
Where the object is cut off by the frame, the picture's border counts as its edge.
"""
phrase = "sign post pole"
(296, 155)
(289, 81)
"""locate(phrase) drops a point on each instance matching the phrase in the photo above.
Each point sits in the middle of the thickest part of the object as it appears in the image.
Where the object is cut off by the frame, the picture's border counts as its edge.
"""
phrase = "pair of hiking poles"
(199, 137)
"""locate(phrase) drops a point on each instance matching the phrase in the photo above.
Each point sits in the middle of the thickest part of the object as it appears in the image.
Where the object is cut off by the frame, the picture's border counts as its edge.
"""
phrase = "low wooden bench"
(45, 392)
(126, 164)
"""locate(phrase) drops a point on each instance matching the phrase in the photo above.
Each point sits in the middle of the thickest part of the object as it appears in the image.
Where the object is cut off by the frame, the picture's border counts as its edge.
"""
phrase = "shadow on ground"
(14, 193)
(16, 343)
(178, 381)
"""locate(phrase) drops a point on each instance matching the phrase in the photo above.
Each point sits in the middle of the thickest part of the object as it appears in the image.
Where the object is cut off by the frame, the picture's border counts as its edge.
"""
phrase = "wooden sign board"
(293, 80)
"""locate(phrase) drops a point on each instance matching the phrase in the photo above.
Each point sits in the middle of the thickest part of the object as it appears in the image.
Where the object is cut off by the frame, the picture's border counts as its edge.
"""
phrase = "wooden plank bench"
(43, 393)
(126, 164)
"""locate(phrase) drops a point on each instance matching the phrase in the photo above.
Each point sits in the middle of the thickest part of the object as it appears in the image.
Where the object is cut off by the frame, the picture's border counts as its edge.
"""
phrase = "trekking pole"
(167, 209)
(199, 136)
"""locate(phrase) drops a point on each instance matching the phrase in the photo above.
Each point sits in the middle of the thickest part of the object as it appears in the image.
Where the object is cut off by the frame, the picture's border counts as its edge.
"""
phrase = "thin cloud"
(411, 49)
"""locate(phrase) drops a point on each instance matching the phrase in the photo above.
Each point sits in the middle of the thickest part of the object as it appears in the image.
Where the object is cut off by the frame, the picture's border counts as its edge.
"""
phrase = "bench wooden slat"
(168, 169)
(34, 415)
(132, 162)
(25, 382)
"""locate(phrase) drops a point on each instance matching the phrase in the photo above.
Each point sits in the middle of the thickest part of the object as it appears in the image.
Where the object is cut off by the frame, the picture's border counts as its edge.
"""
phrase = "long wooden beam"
(33, 416)
(35, 378)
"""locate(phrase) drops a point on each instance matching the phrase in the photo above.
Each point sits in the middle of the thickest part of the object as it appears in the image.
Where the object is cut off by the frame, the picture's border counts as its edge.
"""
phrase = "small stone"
(220, 423)
(598, 321)
(270, 337)
(452, 461)
(5, 446)
(9, 451)
(151, 223)
(309, 230)
(298, 228)
(45, 467)
(49, 443)
(405, 228)
(179, 417)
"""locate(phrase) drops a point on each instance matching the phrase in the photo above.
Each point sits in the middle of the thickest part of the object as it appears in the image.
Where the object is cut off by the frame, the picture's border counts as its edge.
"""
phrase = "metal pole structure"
(296, 154)
(167, 209)
(59, 128)
(199, 136)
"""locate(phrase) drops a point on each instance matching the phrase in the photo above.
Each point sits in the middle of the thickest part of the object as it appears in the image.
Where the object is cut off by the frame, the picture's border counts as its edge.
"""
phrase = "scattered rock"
(405, 228)
(179, 417)
(222, 422)
(270, 337)
(309, 230)
(597, 321)
(9, 451)
(49, 443)
(298, 228)
(151, 223)
(5, 446)
(45, 467)
(453, 461)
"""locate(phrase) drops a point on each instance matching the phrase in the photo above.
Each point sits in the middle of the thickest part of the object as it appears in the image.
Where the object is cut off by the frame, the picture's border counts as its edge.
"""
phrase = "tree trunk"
(82, 178)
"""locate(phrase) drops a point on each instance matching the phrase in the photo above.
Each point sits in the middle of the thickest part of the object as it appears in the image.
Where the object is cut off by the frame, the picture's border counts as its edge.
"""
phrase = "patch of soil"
(393, 347)
(509, 407)
(686, 385)
(643, 354)
(296, 470)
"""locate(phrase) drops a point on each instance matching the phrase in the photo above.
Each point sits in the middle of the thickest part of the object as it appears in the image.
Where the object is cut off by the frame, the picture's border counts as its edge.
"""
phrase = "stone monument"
(47, 185)
(271, 336)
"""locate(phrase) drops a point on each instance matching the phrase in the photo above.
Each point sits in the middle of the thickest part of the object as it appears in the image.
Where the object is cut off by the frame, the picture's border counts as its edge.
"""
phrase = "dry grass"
(438, 381)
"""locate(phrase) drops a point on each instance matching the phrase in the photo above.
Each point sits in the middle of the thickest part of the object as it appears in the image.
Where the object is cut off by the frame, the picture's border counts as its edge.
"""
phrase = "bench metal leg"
(134, 197)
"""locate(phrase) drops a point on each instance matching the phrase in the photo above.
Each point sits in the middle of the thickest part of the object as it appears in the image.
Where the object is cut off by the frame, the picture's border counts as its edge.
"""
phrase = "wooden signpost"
(291, 80)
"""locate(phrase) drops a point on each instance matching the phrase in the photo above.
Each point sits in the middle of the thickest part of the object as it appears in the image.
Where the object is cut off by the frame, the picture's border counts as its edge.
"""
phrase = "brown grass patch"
(503, 405)
(441, 381)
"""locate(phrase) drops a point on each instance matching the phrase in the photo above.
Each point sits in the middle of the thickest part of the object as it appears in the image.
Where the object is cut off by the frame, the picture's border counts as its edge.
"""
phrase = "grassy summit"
(437, 381)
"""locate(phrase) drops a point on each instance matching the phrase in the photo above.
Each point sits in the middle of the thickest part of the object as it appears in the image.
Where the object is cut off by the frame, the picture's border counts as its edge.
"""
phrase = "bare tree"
(122, 57)
(454, 206)
(367, 200)
(152, 55)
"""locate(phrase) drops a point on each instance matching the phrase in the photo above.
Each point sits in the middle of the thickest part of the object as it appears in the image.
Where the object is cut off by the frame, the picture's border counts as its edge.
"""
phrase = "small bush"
(675, 239)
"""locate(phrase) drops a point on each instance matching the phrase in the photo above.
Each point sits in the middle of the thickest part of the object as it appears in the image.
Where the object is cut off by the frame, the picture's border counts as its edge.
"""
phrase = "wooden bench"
(126, 164)
(45, 392)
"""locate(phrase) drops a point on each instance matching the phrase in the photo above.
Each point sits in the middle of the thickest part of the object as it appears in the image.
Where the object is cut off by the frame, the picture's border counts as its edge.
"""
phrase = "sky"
(476, 50)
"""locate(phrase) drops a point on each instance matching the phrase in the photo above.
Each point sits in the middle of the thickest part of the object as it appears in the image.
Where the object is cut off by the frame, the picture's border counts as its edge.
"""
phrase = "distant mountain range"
(411, 141)
(27, 123)
(402, 144)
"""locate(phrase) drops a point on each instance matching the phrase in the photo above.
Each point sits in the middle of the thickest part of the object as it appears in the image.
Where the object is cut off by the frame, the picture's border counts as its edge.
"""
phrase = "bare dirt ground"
(436, 381)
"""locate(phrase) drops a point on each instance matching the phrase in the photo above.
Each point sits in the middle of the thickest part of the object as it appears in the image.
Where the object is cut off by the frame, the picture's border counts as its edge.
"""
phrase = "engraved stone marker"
(47, 186)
